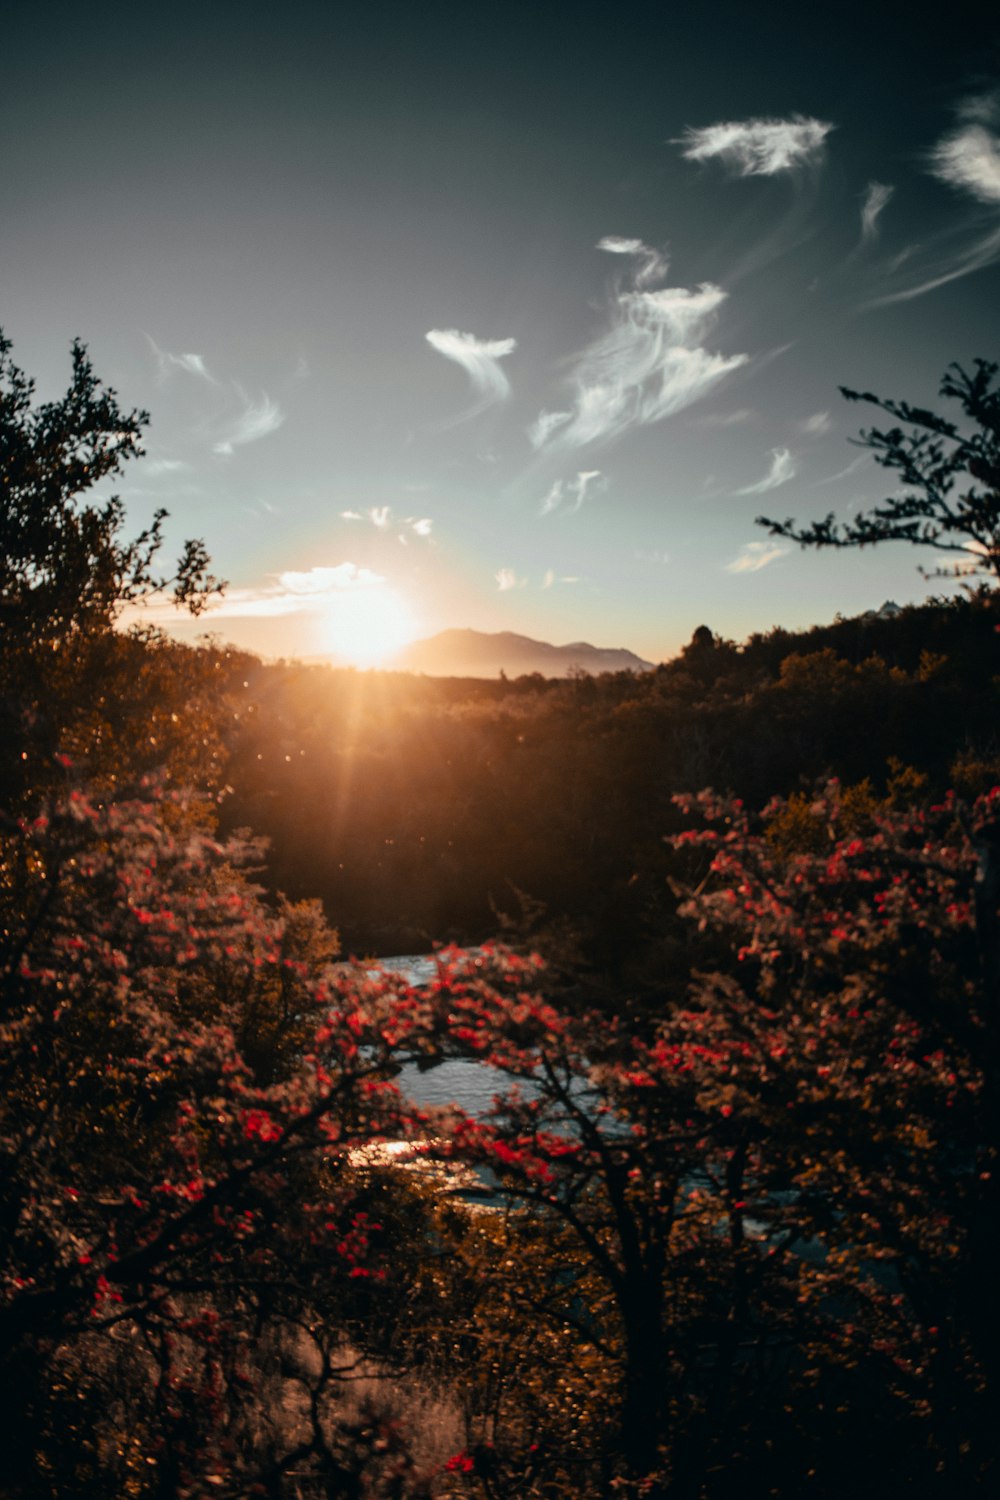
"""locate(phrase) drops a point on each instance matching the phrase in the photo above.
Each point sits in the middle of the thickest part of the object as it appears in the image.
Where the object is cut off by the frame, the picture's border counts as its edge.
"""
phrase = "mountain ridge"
(463, 652)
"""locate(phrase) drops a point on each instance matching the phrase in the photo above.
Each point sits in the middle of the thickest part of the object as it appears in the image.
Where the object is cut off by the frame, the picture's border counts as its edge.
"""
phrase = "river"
(471, 1085)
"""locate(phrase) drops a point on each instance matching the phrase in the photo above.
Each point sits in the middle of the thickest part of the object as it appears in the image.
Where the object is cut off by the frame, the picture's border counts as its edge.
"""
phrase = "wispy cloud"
(552, 577)
(758, 148)
(545, 424)
(574, 490)
(721, 418)
(288, 593)
(953, 257)
(506, 579)
(257, 420)
(652, 265)
(237, 419)
(845, 473)
(579, 486)
(650, 365)
(877, 195)
(480, 359)
(316, 581)
(190, 364)
(153, 468)
(969, 159)
(817, 424)
(754, 556)
(980, 109)
(553, 499)
(783, 468)
(381, 517)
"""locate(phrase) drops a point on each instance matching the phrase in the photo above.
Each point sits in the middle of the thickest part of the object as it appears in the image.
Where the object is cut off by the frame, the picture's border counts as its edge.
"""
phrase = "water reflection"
(463, 1081)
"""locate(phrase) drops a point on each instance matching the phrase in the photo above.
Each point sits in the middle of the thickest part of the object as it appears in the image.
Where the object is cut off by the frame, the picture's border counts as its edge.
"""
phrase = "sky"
(510, 317)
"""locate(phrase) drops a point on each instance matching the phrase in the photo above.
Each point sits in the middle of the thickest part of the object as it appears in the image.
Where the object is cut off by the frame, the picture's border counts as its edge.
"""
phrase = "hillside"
(417, 807)
(473, 653)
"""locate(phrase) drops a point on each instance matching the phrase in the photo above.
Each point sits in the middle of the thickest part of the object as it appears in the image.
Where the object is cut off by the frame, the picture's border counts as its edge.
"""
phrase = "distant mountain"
(471, 653)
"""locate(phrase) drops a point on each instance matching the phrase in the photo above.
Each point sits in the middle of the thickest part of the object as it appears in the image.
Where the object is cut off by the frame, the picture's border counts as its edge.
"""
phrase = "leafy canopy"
(69, 680)
(938, 507)
(64, 567)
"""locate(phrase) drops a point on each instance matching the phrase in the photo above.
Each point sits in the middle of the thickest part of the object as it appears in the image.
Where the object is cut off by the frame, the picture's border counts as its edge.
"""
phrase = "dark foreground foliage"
(729, 1227)
(734, 1247)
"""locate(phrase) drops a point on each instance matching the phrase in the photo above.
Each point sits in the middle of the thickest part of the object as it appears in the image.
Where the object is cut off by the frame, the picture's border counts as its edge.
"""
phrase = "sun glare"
(365, 626)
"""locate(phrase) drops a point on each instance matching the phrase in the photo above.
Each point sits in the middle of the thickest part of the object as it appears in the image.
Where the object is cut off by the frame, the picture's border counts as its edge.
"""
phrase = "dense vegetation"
(419, 808)
(731, 1229)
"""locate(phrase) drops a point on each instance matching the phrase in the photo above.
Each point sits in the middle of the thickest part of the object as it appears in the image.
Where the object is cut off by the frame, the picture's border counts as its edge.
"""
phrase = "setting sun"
(367, 625)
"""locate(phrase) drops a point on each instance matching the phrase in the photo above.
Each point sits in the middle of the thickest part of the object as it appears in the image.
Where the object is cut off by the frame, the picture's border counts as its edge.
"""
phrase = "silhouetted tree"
(63, 563)
(66, 571)
(931, 458)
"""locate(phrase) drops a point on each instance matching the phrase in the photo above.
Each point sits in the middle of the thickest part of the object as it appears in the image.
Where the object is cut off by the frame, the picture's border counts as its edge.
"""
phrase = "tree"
(189, 1267)
(187, 1260)
(932, 458)
(628, 1161)
(770, 1219)
(63, 564)
(66, 571)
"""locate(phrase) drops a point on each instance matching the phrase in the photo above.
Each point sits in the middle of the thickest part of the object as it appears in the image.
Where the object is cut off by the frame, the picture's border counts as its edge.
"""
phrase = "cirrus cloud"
(877, 195)
(480, 359)
(257, 420)
(289, 593)
(758, 148)
(969, 159)
(189, 364)
(754, 556)
(652, 265)
(783, 468)
(649, 365)
(545, 424)
(327, 580)
(381, 517)
(575, 490)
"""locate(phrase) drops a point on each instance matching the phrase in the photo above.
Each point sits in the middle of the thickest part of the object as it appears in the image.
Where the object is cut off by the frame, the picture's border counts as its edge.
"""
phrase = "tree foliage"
(63, 564)
(950, 475)
(186, 1258)
(781, 1196)
(66, 570)
(715, 1244)
(166, 1213)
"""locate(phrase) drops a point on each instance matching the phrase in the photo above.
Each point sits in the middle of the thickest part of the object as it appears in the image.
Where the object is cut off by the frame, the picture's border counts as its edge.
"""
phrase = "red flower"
(256, 1122)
